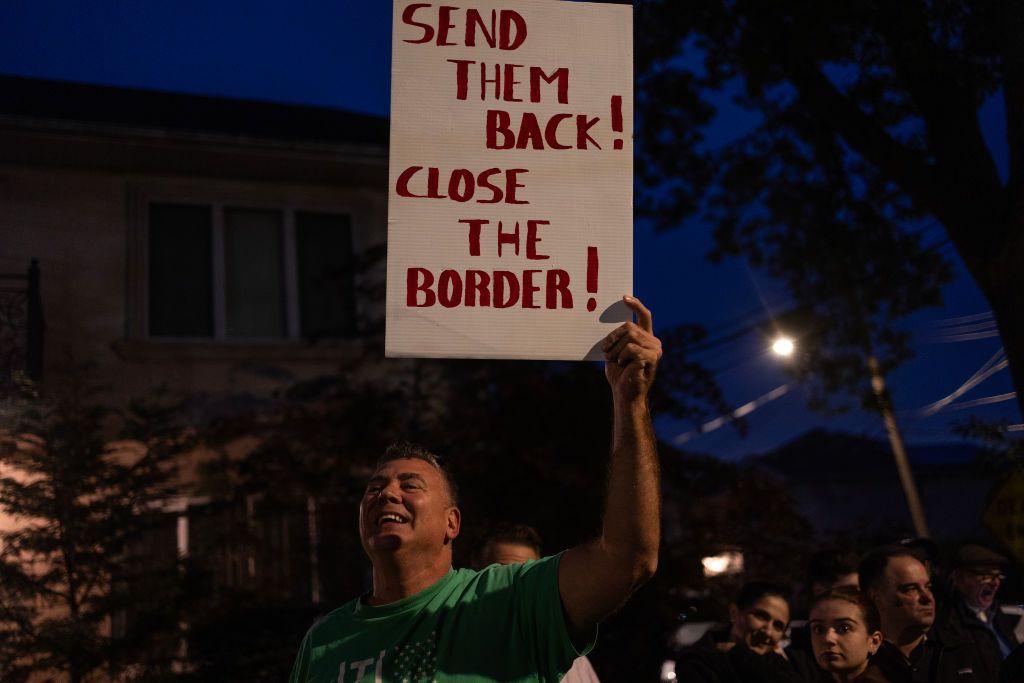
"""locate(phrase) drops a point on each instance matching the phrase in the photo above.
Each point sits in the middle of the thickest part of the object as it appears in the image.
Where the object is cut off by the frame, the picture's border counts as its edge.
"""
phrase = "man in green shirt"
(424, 621)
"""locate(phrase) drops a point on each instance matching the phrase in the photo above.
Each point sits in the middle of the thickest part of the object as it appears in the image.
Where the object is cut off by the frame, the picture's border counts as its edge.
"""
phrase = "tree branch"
(907, 167)
(1012, 49)
(962, 189)
(948, 103)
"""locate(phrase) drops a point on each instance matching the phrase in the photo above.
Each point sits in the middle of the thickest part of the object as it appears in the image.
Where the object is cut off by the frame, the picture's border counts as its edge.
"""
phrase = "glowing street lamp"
(783, 346)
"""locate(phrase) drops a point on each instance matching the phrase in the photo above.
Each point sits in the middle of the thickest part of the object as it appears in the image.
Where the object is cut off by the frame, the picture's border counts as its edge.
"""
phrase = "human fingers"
(613, 337)
(628, 333)
(630, 353)
(643, 316)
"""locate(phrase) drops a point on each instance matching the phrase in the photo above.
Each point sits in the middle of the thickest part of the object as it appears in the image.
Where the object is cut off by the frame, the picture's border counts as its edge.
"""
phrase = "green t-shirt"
(504, 623)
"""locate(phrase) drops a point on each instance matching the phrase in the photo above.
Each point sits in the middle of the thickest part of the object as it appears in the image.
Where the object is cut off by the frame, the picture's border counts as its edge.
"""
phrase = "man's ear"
(451, 531)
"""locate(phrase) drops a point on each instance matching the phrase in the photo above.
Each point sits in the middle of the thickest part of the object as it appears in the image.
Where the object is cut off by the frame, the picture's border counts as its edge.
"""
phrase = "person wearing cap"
(973, 611)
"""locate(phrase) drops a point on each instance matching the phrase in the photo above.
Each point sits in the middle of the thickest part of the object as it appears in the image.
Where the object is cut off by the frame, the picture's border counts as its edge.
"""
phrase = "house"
(213, 246)
(183, 239)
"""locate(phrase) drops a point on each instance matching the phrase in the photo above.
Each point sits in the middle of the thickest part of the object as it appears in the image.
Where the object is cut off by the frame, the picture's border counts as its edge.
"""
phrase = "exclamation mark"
(591, 277)
(617, 119)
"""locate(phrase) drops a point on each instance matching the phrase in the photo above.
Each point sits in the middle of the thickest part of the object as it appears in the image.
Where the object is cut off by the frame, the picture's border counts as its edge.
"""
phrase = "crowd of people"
(893, 616)
(518, 616)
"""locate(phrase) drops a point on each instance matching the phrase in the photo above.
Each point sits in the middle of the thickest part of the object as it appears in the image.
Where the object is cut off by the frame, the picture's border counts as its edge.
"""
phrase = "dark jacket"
(938, 659)
(872, 674)
(1013, 667)
(958, 622)
(801, 657)
(703, 662)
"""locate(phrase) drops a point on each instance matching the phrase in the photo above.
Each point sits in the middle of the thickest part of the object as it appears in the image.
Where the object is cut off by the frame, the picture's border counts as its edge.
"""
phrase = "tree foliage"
(77, 502)
(853, 144)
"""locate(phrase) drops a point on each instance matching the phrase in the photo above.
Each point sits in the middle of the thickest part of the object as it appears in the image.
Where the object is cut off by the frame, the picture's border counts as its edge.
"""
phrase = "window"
(180, 270)
(241, 273)
(323, 247)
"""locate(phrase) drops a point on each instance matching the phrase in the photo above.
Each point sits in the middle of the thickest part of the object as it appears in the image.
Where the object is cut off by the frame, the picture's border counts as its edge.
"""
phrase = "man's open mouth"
(391, 518)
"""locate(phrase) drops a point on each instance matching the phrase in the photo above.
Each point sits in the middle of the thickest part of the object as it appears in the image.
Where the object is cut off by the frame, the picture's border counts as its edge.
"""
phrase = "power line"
(724, 339)
(998, 398)
(744, 319)
(968, 327)
(963, 319)
(991, 366)
(955, 338)
(743, 410)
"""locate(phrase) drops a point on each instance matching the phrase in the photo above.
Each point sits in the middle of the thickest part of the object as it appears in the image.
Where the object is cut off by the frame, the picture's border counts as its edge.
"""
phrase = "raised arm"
(596, 578)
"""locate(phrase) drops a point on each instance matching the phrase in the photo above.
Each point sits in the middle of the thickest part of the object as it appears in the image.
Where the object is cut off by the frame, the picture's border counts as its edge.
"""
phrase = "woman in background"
(845, 633)
(749, 650)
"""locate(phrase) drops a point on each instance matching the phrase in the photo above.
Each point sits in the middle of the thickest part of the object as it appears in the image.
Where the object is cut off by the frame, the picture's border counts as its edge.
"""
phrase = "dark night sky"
(337, 53)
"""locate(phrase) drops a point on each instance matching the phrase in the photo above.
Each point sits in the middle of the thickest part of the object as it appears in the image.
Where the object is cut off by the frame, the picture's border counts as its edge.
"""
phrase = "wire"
(971, 327)
(747, 320)
(991, 367)
(954, 338)
(963, 328)
(732, 336)
(999, 398)
(754, 313)
(743, 410)
(963, 319)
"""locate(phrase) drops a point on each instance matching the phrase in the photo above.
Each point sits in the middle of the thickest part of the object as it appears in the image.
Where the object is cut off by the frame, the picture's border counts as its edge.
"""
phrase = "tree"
(864, 134)
(77, 503)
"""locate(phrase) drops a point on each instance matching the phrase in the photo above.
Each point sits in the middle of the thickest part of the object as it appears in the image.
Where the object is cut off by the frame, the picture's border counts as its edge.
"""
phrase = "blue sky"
(337, 54)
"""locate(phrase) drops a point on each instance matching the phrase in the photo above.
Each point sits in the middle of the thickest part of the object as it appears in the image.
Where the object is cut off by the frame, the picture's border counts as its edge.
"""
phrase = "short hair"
(404, 450)
(516, 534)
(826, 566)
(752, 591)
(872, 566)
(856, 597)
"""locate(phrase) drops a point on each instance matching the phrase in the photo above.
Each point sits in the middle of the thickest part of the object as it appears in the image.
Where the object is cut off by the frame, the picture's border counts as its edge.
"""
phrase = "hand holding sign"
(632, 353)
(510, 209)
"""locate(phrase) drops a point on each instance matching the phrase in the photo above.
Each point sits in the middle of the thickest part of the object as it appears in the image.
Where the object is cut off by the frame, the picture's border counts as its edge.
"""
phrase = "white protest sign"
(510, 216)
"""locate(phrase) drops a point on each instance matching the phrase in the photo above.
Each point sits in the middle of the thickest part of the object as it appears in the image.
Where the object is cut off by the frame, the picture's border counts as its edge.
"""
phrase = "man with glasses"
(973, 611)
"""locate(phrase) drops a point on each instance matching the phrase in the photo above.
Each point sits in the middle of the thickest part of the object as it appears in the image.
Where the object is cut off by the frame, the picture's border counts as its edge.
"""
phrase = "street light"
(783, 346)
(726, 563)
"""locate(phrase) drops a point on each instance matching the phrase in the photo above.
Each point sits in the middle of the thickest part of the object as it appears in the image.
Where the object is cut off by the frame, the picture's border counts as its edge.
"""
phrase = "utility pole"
(899, 453)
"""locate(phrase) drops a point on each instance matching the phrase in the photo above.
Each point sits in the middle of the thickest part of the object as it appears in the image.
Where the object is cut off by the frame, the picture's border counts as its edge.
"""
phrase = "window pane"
(254, 293)
(323, 249)
(180, 271)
